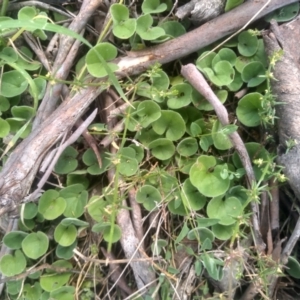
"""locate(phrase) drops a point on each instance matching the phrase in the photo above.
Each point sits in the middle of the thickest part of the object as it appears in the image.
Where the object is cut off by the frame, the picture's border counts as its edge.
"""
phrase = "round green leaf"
(51, 281)
(149, 196)
(35, 244)
(205, 60)
(160, 80)
(89, 158)
(231, 4)
(225, 54)
(13, 264)
(226, 210)
(177, 207)
(22, 112)
(248, 43)
(254, 73)
(285, 13)
(51, 205)
(8, 54)
(145, 30)
(162, 148)
(221, 74)
(187, 146)
(293, 267)
(237, 83)
(202, 104)
(191, 196)
(67, 162)
(13, 239)
(105, 229)
(182, 97)
(30, 210)
(128, 165)
(32, 291)
(200, 234)
(96, 208)
(74, 221)
(12, 84)
(65, 252)
(173, 28)
(171, 124)
(222, 232)
(76, 198)
(205, 175)
(249, 108)
(65, 235)
(95, 65)
(4, 128)
(153, 7)
(123, 26)
(219, 136)
(146, 113)
(63, 293)
(4, 104)
(14, 287)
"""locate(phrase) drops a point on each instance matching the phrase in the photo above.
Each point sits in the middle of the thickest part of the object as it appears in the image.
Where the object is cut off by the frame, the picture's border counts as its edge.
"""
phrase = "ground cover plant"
(135, 166)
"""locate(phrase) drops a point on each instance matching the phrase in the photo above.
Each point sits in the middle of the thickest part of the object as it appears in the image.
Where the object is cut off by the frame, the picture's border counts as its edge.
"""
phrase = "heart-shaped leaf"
(254, 73)
(249, 109)
(95, 65)
(187, 146)
(13, 239)
(51, 205)
(171, 124)
(153, 7)
(145, 30)
(65, 235)
(12, 84)
(205, 175)
(13, 264)
(162, 148)
(149, 196)
(67, 162)
(248, 43)
(191, 197)
(123, 26)
(35, 244)
(182, 94)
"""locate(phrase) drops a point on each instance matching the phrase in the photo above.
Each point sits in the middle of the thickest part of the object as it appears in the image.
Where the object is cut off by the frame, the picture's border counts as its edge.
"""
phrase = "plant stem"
(4, 8)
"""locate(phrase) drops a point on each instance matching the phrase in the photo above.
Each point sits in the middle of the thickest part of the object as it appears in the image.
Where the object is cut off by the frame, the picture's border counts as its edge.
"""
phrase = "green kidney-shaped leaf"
(225, 54)
(128, 165)
(293, 267)
(226, 210)
(285, 13)
(30, 211)
(51, 205)
(13, 264)
(149, 196)
(51, 281)
(67, 162)
(153, 7)
(22, 112)
(4, 128)
(76, 198)
(220, 138)
(249, 108)
(191, 196)
(123, 26)
(173, 28)
(12, 84)
(187, 146)
(63, 293)
(110, 234)
(65, 252)
(254, 74)
(95, 65)
(222, 232)
(205, 175)
(146, 113)
(145, 30)
(65, 235)
(182, 97)
(89, 158)
(200, 234)
(35, 244)
(221, 74)
(13, 239)
(248, 43)
(8, 54)
(162, 148)
(205, 60)
(171, 124)
(4, 104)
